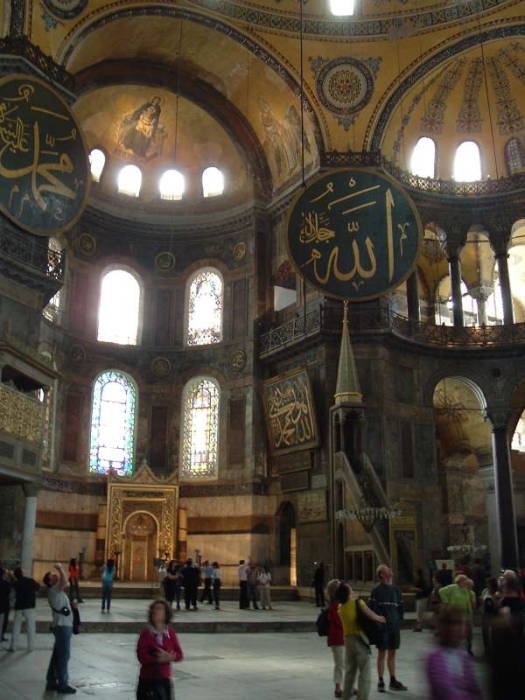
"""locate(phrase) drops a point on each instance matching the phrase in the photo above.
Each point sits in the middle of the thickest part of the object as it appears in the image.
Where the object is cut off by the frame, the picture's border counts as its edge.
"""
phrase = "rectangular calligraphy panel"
(290, 414)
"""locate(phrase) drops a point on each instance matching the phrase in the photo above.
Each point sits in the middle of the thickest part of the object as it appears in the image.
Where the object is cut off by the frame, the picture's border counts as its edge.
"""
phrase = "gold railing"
(20, 415)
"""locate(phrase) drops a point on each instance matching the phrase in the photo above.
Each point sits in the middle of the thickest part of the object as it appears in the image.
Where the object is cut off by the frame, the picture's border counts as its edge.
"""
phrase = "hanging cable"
(485, 81)
(301, 91)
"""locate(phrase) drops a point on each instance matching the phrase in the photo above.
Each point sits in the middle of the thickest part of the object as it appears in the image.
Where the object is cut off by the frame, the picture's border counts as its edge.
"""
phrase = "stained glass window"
(119, 308)
(200, 439)
(113, 424)
(205, 308)
(514, 155)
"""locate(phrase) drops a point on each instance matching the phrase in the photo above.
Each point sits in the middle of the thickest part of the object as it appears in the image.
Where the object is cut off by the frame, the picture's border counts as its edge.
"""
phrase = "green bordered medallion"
(44, 172)
(354, 234)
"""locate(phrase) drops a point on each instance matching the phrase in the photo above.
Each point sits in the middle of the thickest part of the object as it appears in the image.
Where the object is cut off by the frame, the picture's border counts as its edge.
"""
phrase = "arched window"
(423, 160)
(53, 309)
(445, 306)
(212, 182)
(119, 308)
(171, 185)
(200, 438)
(340, 8)
(467, 162)
(97, 160)
(494, 304)
(518, 439)
(514, 155)
(205, 303)
(130, 180)
(112, 439)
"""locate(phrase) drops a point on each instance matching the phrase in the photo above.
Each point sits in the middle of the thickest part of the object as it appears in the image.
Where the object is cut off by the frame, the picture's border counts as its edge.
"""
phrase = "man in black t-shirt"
(191, 576)
(386, 600)
(25, 603)
(5, 592)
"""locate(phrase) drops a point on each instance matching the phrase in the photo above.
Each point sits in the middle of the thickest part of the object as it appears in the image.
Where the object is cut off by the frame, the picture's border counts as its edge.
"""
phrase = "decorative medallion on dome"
(87, 244)
(238, 360)
(77, 354)
(65, 9)
(44, 179)
(239, 251)
(165, 261)
(345, 85)
(161, 367)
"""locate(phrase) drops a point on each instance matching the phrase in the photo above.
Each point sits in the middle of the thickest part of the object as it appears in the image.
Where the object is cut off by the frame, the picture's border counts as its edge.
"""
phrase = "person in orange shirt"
(74, 577)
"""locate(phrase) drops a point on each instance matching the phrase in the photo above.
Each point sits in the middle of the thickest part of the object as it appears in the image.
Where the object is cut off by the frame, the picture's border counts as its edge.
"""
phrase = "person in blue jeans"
(108, 572)
(57, 674)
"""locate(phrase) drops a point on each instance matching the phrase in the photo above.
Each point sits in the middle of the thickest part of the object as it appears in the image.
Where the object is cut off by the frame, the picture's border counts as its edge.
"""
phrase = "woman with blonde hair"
(335, 639)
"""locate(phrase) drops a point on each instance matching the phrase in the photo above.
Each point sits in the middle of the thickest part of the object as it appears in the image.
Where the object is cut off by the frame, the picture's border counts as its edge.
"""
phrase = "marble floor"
(221, 666)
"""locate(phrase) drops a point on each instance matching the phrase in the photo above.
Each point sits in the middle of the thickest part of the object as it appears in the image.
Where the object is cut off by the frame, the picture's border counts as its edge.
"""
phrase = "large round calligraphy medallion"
(345, 85)
(354, 234)
(44, 174)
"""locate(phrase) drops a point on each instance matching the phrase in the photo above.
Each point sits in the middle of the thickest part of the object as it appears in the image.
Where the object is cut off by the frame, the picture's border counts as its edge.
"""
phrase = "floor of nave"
(223, 666)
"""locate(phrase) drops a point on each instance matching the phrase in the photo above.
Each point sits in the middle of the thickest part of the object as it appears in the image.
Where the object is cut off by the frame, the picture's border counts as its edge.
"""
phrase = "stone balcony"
(327, 319)
(21, 432)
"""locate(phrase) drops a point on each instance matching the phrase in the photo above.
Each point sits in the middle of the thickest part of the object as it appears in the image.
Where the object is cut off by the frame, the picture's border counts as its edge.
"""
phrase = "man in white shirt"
(243, 585)
(57, 673)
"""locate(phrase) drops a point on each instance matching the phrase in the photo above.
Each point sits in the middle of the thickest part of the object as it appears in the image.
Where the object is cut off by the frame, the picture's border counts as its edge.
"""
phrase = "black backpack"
(322, 623)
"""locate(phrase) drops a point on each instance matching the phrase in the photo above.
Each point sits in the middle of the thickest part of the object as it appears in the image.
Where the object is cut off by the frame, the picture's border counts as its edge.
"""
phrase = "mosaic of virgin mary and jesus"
(141, 133)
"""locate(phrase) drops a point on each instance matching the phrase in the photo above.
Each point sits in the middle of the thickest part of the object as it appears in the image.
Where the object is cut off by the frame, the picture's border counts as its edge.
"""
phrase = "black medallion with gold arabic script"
(354, 234)
(44, 176)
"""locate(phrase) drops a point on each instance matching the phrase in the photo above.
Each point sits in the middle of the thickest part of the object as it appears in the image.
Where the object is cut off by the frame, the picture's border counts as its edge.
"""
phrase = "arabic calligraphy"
(43, 161)
(289, 411)
(354, 234)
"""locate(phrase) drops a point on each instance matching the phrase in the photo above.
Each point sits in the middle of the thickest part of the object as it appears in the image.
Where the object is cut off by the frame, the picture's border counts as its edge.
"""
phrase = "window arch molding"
(109, 441)
(201, 427)
(212, 335)
(113, 267)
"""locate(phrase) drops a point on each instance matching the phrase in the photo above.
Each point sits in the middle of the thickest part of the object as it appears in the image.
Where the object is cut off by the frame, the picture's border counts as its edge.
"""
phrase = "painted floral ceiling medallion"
(65, 9)
(345, 85)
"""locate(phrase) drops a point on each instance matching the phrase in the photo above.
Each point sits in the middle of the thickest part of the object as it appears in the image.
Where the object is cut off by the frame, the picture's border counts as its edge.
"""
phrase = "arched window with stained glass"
(205, 307)
(200, 438)
(514, 155)
(113, 417)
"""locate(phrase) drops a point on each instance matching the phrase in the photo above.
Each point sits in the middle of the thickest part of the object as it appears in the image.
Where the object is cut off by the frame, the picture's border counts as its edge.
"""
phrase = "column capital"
(31, 489)
(498, 416)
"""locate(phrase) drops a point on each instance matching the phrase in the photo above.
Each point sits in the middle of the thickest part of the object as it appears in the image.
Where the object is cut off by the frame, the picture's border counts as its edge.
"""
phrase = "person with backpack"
(353, 613)
(108, 573)
(334, 636)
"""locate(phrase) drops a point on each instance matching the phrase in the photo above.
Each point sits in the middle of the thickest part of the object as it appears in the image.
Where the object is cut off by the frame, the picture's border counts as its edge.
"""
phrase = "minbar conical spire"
(348, 390)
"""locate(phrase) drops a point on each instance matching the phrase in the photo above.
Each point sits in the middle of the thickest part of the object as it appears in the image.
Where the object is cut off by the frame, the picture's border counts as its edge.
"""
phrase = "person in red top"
(335, 637)
(157, 648)
(74, 577)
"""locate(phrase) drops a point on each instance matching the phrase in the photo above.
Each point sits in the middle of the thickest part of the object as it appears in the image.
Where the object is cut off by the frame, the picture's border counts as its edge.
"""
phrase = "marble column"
(413, 298)
(502, 259)
(31, 494)
(504, 488)
(455, 283)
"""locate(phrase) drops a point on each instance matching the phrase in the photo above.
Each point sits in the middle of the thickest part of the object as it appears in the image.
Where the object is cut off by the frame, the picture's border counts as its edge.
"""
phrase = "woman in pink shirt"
(335, 638)
(157, 648)
(450, 670)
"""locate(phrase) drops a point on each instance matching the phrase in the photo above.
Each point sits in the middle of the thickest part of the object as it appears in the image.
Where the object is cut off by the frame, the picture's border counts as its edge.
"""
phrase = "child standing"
(450, 670)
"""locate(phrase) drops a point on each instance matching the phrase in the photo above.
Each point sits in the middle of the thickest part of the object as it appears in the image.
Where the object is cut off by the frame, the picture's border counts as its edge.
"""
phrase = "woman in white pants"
(264, 582)
(335, 638)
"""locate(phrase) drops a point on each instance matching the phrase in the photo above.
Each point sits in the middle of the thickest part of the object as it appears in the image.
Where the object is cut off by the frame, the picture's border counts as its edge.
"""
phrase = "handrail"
(502, 185)
(33, 253)
(328, 319)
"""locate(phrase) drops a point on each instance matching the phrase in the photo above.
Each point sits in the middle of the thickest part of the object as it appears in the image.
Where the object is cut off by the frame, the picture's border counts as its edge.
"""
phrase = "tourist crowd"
(449, 607)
